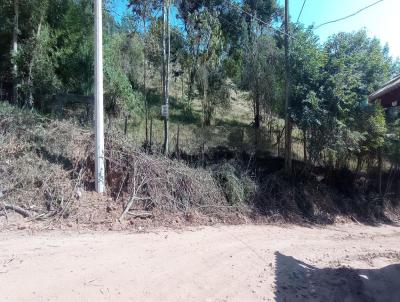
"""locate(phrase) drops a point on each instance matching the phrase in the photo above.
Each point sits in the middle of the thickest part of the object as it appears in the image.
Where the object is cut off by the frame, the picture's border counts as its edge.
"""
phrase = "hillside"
(46, 175)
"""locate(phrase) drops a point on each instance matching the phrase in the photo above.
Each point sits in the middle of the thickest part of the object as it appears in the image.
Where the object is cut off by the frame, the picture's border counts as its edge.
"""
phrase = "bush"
(237, 186)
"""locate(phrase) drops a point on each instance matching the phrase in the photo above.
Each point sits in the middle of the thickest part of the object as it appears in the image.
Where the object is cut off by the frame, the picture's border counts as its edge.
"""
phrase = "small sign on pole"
(164, 110)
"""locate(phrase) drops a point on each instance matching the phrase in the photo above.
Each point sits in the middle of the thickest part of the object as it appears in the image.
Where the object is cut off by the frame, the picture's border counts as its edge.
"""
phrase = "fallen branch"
(140, 214)
(17, 209)
(129, 205)
(44, 216)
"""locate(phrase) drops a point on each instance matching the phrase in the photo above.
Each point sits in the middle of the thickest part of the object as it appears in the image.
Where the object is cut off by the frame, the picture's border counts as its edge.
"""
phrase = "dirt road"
(223, 263)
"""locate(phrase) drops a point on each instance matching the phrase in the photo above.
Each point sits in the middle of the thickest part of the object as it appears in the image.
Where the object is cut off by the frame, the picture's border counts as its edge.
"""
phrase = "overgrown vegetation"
(47, 170)
(226, 108)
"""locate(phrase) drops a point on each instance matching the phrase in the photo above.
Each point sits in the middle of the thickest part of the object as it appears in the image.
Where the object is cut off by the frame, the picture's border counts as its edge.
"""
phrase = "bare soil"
(348, 262)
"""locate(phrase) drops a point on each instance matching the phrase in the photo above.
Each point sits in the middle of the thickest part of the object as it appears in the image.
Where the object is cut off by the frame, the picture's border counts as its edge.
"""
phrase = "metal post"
(99, 115)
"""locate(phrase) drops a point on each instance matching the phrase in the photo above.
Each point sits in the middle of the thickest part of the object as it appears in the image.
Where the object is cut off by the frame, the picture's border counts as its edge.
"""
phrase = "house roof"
(387, 88)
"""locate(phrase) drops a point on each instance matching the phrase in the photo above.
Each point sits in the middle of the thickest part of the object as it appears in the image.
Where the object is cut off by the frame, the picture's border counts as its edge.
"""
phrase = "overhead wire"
(349, 16)
(256, 18)
(301, 11)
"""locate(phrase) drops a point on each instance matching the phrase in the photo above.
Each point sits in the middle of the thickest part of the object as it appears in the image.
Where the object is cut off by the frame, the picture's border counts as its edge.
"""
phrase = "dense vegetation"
(224, 55)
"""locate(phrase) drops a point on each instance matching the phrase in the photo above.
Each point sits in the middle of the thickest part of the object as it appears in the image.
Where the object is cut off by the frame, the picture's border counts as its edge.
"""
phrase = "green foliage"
(216, 50)
(75, 47)
(119, 75)
(238, 187)
(307, 62)
(261, 69)
(206, 46)
(372, 123)
(41, 68)
(392, 143)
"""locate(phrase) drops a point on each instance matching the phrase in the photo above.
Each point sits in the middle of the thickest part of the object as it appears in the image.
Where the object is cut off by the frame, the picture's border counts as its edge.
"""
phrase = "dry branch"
(140, 214)
(17, 209)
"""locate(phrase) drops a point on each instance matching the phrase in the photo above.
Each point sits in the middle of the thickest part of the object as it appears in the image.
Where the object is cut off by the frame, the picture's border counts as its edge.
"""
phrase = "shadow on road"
(298, 281)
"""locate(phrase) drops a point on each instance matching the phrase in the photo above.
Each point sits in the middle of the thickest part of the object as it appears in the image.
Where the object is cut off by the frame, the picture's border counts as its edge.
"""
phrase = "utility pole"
(166, 59)
(288, 122)
(146, 107)
(98, 95)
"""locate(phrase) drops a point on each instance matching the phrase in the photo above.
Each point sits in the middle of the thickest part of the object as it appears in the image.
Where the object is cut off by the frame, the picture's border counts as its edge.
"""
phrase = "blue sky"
(381, 21)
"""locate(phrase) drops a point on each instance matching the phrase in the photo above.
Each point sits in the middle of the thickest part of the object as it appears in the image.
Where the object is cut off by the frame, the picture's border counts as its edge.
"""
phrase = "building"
(389, 95)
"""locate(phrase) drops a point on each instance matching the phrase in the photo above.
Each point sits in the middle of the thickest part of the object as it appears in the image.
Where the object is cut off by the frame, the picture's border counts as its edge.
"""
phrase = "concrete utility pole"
(288, 123)
(98, 95)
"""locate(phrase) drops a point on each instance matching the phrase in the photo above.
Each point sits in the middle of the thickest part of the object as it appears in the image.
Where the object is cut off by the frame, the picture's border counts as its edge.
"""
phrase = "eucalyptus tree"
(206, 46)
(261, 60)
(144, 10)
(261, 75)
(15, 50)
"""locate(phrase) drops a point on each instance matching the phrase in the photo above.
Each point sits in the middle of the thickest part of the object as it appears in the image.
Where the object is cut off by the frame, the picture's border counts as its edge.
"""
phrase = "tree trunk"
(270, 124)
(182, 89)
(288, 122)
(257, 122)
(305, 146)
(359, 163)
(32, 62)
(288, 147)
(151, 134)
(166, 56)
(177, 143)
(126, 125)
(206, 108)
(146, 107)
(380, 164)
(15, 51)
(257, 118)
(110, 122)
(397, 174)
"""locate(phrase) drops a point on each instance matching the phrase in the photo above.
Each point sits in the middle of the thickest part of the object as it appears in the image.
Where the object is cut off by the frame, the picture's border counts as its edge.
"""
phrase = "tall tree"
(144, 9)
(206, 47)
(356, 66)
(15, 50)
(288, 121)
(166, 61)
(260, 72)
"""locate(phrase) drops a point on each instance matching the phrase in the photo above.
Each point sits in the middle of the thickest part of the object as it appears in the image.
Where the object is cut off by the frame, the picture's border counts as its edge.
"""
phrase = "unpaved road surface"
(223, 263)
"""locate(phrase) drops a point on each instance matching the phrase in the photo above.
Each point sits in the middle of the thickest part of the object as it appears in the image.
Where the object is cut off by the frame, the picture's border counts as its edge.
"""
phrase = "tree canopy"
(217, 48)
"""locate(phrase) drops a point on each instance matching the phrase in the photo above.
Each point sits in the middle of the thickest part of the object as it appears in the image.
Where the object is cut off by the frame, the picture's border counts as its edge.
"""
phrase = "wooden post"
(288, 124)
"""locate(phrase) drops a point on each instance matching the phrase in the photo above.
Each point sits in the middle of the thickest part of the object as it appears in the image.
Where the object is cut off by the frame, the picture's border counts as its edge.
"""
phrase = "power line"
(351, 15)
(257, 19)
(298, 18)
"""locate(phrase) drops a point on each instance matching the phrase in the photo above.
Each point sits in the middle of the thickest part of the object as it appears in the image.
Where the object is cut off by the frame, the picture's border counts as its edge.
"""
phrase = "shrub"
(237, 186)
